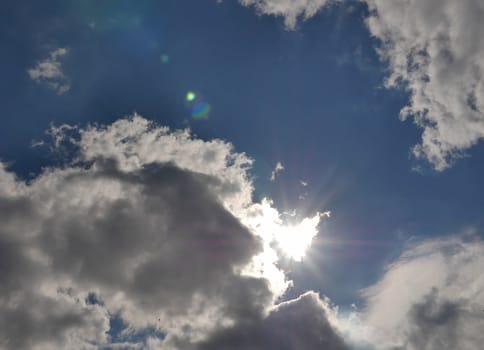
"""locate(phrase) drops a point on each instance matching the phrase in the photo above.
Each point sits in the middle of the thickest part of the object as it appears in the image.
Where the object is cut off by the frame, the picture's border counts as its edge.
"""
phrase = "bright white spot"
(295, 240)
(278, 239)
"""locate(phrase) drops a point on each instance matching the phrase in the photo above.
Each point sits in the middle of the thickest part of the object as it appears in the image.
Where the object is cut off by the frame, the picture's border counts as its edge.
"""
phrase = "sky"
(251, 174)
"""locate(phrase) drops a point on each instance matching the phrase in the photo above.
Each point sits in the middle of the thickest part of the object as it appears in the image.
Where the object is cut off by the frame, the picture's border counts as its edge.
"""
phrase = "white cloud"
(435, 50)
(158, 225)
(291, 10)
(279, 167)
(49, 72)
(431, 298)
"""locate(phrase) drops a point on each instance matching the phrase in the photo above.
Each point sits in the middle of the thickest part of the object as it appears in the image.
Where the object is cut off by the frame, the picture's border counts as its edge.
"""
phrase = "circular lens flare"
(164, 58)
(199, 108)
(191, 96)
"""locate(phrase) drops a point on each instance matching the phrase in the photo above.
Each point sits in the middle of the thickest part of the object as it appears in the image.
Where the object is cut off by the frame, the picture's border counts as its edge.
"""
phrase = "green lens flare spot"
(191, 96)
(165, 58)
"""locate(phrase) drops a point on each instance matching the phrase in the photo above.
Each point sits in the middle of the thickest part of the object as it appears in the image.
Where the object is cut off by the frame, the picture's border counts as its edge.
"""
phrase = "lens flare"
(164, 58)
(191, 96)
(199, 108)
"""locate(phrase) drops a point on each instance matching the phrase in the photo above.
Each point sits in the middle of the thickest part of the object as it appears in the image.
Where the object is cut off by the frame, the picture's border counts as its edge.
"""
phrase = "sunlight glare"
(295, 240)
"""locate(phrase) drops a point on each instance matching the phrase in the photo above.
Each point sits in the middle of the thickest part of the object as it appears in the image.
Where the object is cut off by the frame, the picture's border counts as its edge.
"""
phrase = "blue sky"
(311, 96)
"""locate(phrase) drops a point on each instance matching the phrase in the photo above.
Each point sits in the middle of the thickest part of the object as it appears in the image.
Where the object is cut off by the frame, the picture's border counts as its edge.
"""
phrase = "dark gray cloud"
(158, 235)
(299, 324)
(32, 321)
(161, 243)
(150, 223)
(431, 298)
(33, 318)
(434, 323)
(437, 323)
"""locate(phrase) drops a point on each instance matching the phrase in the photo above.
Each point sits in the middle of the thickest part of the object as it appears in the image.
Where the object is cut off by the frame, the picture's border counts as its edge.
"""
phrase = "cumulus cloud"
(431, 298)
(303, 323)
(159, 229)
(145, 224)
(434, 50)
(49, 72)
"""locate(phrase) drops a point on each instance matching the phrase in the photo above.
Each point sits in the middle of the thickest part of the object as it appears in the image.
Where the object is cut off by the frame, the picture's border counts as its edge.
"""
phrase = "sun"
(282, 239)
(295, 240)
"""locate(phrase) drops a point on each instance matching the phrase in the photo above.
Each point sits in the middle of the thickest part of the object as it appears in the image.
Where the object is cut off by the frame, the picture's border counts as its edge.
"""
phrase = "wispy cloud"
(279, 167)
(49, 72)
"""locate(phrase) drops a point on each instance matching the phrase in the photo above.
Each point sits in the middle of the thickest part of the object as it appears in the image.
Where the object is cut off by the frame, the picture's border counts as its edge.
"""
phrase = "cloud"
(434, 50)
(291, 10)
(303, 323)
(155, 226)
(279, 167)
(49, 72)
(431, 298)
(161, 229)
